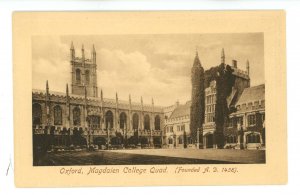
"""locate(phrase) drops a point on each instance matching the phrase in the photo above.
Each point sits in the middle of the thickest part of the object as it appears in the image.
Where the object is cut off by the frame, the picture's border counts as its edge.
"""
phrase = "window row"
(211, 99)
(94, 121)
(179, 128)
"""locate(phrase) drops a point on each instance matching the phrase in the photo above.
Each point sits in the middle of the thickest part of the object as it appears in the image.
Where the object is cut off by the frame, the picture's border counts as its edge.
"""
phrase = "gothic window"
(76, 116)
(57, 115)
(109, 120)
(94, 122)
(251, 120)
(87, 76)
(123, 120)
(147, 122)
(36, 114)
(135, 121)
(78, 76)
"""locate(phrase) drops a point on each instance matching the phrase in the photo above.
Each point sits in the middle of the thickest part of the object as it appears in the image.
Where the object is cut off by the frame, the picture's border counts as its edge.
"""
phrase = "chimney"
(234, 63)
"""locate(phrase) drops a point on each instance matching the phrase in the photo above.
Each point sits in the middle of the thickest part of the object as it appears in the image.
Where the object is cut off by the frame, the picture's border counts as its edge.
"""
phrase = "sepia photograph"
(148, 99)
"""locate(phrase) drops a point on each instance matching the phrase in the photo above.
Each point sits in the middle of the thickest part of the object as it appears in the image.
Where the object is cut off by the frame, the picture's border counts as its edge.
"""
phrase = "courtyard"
(152, 156)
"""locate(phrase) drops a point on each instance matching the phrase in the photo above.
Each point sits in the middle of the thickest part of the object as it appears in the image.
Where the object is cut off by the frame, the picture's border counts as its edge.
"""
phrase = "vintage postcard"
(149, 98)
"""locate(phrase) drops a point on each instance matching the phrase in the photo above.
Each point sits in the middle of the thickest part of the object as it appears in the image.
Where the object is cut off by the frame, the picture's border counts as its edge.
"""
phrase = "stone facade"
(246, 126)
(83, 118)
(177, 127)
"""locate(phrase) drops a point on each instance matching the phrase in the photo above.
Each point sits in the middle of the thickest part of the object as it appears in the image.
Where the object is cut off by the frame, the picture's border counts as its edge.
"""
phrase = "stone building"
(213, 129)
(246, 126)
(83, 118)
(222, 87)
(177, 126)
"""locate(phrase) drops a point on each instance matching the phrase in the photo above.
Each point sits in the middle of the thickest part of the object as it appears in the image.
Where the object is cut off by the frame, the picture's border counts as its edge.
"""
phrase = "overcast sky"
(157, 66)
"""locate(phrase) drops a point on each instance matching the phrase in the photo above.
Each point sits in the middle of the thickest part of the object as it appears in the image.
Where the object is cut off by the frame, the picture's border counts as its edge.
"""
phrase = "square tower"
(84, 73)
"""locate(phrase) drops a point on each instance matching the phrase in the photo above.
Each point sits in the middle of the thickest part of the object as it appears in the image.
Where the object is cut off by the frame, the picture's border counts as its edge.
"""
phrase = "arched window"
(147, 122)
(87, 76)
(76, 116)
(78, 75)
(135, 121)
(123, 119)
(109, 120)
(57, 115)
(36, 114)
(157, 122)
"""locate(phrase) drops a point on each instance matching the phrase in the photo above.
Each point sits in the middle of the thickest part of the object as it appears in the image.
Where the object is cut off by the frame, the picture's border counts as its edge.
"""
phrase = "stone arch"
(157, 122)
(123, 120)
(36, 114)
(147, 122)
(57, 115)
(135, 121)
(109, 120)
(76, 116)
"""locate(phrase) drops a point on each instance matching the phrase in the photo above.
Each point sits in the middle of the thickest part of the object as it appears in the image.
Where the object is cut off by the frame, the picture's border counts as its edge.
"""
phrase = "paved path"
(151, 156)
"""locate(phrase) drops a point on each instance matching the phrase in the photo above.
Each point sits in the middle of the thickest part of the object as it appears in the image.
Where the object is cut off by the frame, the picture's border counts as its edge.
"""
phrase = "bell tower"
(84, 73)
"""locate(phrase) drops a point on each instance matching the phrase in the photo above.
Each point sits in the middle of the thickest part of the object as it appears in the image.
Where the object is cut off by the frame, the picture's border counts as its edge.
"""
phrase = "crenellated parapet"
(59, 97)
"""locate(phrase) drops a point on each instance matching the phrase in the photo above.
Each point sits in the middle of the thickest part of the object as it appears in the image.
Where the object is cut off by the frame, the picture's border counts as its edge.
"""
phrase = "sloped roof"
(181, 110)
(252, 94)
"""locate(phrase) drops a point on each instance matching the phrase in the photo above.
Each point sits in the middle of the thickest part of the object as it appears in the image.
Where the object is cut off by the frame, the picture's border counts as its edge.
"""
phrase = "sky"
(152, 66)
